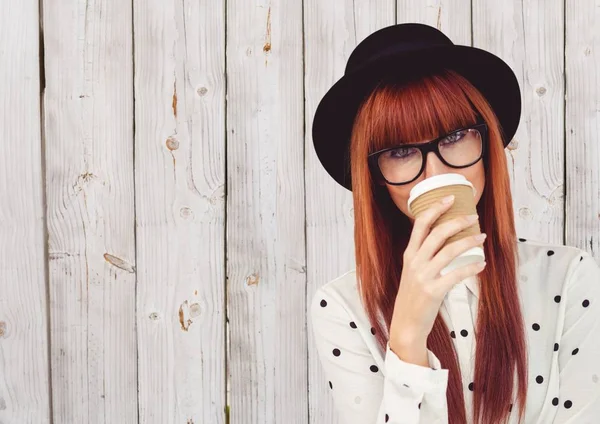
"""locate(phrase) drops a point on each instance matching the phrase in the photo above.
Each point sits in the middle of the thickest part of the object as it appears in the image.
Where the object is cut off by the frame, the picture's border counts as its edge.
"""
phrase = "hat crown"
(395, 39)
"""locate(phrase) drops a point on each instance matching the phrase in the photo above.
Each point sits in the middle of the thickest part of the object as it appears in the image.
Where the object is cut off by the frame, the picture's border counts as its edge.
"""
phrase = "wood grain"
(24, 373)
(88, 116)
(180, 210)
(265, 213)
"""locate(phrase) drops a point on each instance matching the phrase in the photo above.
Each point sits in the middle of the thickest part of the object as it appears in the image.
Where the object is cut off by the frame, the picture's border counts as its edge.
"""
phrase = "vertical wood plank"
(452, 17)
(88, 114)
(265, 213)
(24, 376)
(529, 37)
(332, 29)
(180, 214)
(582, 125)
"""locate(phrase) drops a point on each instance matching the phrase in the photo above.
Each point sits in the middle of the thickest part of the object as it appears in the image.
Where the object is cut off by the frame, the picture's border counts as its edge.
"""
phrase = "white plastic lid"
(436, 181)
(474, 254)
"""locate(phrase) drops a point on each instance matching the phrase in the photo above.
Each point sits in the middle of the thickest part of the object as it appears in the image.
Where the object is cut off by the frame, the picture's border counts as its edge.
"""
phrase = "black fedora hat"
(405, 50)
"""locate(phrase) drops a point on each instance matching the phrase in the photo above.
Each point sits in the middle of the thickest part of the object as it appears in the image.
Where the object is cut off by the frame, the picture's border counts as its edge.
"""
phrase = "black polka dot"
(336, 352)
(323, 303)
(352, 324)
(555, 401)
(419, 405)
(387, 418)
(471, 386)
(585, 303)
(522, 239)
(550, 252)
(539, 379)
(374, 368)
(510, 407)
(555, 347)
(568, 404)
(330, 385)
(405, 385)
(575, 351)
(557, 299)
(372, 331)
(535, 326)
(580, 258)
(464, 333)
(453, 334)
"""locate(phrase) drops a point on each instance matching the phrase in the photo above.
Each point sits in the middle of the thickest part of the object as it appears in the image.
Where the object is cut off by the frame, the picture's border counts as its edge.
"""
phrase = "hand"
(422, 289)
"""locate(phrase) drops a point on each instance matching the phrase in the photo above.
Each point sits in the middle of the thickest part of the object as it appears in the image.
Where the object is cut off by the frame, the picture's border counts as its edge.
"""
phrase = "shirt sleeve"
(578, 400)
(408, 394)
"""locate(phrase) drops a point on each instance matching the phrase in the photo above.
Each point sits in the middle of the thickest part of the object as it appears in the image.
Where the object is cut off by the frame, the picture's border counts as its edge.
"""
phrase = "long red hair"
(424, 108)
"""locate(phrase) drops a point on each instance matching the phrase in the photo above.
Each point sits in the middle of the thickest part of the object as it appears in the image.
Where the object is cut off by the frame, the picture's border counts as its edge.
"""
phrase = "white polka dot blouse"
(560, 296)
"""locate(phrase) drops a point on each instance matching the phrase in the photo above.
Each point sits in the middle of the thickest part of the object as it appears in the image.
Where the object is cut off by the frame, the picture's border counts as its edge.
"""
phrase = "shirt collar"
(472, 284)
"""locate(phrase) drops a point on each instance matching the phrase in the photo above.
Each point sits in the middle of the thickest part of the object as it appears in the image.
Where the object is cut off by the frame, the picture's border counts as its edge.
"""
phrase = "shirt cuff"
(425, 379)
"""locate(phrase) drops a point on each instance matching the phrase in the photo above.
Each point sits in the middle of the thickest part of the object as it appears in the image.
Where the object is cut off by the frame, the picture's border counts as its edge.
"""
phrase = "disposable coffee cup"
(432, 190)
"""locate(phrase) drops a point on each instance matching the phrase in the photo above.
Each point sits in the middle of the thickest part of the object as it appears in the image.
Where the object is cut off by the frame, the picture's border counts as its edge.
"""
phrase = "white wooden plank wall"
(180, 217)
(582, 125)
(88, 134)
(24, 374)
(266, 272)
(529, 36)
(164, 220)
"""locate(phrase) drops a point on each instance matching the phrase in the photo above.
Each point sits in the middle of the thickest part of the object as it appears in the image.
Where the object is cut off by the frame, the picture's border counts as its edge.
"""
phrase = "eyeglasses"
(403, 164)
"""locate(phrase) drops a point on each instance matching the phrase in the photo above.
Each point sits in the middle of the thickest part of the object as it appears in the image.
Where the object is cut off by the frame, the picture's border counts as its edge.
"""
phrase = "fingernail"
(480, 237)
(448, 199)
(472, 218)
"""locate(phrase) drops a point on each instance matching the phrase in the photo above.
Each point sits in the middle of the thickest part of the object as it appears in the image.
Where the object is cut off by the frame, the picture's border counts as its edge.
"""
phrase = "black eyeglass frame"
(430, 146)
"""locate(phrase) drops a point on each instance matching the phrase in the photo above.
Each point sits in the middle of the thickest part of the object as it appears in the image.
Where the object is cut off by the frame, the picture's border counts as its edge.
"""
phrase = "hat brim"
(335, 113)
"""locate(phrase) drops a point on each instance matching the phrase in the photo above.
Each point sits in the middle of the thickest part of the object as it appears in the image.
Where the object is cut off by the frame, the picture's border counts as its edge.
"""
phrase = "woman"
(517, 339)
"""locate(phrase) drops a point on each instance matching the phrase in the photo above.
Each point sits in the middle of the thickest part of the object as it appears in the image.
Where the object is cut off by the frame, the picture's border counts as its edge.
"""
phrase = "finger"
(451, 251)
(440, 234)
(423, 222)
(448, 281)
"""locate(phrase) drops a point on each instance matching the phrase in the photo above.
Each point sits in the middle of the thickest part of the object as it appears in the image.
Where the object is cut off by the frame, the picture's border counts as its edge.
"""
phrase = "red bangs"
(417, 111)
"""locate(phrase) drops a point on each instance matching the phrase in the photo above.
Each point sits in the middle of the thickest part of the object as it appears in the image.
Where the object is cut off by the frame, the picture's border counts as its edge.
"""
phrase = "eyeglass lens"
(403, 164)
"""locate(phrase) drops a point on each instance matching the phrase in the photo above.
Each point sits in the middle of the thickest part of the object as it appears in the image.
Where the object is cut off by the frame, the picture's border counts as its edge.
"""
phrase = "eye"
(454, 137)
(400, 152)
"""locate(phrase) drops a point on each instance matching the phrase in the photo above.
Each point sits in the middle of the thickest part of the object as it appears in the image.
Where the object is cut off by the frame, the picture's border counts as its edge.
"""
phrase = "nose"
(434, 166)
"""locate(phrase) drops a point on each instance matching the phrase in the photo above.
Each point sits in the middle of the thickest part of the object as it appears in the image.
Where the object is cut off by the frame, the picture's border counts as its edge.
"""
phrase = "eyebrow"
(435, 138)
